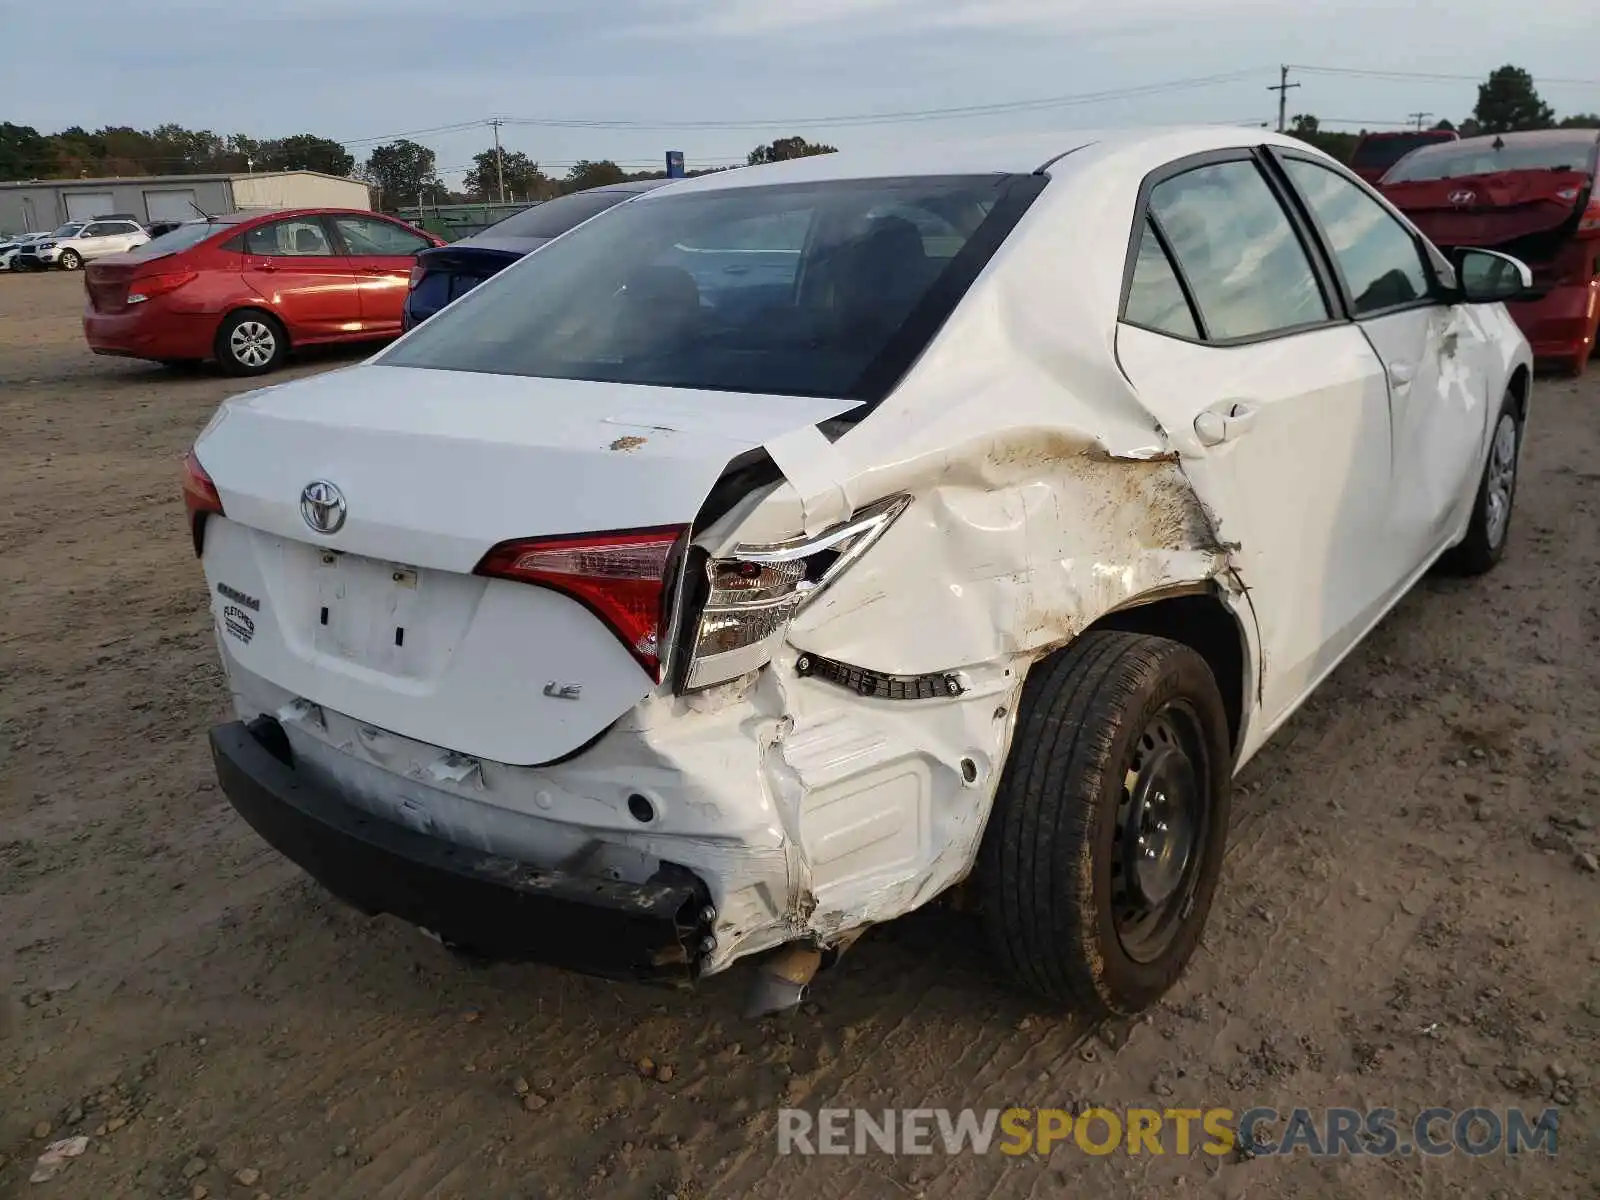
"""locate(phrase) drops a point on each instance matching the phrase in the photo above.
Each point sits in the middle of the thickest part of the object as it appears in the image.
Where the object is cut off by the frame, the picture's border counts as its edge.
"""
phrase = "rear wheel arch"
(1203, 622)
(258, 309)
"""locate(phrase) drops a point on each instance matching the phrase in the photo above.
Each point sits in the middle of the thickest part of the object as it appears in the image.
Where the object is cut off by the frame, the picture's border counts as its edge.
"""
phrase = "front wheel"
(1487, 531)
(250, 343)
(1107, 836)
(70, 260)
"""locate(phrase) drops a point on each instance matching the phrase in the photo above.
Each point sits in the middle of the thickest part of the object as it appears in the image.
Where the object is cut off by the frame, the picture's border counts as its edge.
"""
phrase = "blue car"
(446, 272)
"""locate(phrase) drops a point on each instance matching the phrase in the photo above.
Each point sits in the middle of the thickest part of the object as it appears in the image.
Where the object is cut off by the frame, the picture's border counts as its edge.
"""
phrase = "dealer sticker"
(237, 622)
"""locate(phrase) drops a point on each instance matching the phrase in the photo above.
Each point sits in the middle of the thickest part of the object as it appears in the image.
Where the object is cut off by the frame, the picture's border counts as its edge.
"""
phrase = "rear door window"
(1243, 260)
(296, 237)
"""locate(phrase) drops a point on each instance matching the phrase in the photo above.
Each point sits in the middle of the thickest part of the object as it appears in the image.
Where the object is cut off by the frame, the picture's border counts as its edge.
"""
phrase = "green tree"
(24, 152)
(1308, 129)
(305, 152)
(586, 174)
(402, 171)
(524, 180)
(1508, 101)
(786, 148)
(1581, 121)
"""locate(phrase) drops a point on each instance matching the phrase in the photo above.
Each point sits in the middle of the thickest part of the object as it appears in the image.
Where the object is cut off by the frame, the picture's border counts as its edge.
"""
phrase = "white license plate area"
(370, 612)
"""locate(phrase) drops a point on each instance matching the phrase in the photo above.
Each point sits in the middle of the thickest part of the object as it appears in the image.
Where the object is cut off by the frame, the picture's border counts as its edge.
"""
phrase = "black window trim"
(1307, 236)
(1437, 289)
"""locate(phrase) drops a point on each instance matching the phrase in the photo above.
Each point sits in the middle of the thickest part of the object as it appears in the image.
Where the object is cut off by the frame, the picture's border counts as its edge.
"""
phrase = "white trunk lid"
(383, 619)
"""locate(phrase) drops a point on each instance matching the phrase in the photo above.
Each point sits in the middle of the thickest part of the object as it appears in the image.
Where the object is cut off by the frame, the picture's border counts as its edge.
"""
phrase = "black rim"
(1162, 822)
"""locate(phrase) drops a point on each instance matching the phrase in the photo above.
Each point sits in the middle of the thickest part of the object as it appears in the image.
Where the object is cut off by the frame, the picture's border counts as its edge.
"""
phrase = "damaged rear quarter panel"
(1044, 496)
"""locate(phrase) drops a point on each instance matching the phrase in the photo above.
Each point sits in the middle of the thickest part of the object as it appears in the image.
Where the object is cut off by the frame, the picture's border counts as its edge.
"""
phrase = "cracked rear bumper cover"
(486, 904)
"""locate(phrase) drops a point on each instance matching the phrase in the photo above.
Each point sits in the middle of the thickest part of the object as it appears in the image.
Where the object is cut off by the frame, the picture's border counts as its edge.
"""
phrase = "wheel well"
(1519, 388)
(1204, 624)
(276, 320)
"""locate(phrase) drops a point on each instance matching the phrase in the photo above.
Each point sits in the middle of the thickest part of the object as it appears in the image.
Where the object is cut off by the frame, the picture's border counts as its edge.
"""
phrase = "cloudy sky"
(731, 73)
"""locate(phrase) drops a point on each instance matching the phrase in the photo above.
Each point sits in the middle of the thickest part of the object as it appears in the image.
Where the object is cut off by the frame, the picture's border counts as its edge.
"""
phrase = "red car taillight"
(200, 499)
(147, 287)
(1589, 222)
(620, 577)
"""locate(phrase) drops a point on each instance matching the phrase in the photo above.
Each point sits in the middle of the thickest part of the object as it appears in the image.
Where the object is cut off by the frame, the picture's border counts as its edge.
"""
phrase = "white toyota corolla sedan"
(771, 554)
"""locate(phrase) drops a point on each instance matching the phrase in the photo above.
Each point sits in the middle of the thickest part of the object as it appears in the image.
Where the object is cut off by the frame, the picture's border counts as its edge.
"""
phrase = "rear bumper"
(491, 905)
(1561, 324)
(150, 332)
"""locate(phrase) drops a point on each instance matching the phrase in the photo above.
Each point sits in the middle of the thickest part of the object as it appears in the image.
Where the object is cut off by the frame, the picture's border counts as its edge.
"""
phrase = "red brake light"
(1589, 223)
(200, 498)
(620, 577)
(147, 286)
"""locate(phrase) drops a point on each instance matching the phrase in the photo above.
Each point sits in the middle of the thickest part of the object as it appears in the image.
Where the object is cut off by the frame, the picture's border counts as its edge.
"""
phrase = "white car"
(9, 246)
(78, 242)
(622, 620)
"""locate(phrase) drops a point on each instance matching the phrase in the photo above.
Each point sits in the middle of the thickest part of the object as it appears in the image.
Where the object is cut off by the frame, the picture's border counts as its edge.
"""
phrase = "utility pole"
(499, 161)
(1282, 87)
(1419, 118)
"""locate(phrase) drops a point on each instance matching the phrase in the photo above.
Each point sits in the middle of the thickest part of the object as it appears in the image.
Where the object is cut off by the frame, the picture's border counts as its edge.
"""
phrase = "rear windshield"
(821, 289)
(1378, 152)
(191, 233)
(555, 217)
(1478, 156)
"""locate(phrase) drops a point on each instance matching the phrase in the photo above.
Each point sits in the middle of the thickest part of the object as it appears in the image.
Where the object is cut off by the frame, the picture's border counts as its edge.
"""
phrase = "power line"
(1376, 73)
(904, 116)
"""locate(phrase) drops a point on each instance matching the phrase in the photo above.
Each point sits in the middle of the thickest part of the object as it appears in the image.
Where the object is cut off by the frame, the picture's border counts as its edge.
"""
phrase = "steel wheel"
(1160, 822)
(253, 344)
(1500, 481)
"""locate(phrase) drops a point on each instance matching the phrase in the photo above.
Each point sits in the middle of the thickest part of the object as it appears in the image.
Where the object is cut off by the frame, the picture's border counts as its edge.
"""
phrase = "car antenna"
(209, 218)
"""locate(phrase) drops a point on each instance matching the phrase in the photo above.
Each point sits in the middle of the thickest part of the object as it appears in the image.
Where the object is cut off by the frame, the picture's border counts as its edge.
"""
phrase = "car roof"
(1533, 137)
(1016, 154)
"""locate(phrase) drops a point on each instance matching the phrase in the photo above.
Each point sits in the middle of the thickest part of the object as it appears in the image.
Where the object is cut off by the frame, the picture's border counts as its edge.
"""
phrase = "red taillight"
(147, 287)
(1589, 222)
(200, 498)
(620, 577)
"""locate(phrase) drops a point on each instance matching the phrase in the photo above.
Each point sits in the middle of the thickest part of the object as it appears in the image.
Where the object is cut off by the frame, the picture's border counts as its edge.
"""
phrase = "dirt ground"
(1406, 920)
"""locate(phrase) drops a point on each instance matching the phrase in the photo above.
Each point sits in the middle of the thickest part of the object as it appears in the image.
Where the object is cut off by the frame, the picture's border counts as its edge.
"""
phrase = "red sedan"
(1534, 196)
(247, 288)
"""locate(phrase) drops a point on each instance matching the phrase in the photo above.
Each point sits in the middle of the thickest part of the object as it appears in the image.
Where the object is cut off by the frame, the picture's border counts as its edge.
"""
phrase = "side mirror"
(1489, 277)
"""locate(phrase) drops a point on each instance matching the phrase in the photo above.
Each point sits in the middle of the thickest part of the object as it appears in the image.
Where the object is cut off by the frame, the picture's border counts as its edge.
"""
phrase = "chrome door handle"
(1224, 422)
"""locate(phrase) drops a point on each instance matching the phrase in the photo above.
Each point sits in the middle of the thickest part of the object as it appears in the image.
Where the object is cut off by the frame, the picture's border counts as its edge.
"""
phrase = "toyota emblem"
(322, 506)
(1463, 197)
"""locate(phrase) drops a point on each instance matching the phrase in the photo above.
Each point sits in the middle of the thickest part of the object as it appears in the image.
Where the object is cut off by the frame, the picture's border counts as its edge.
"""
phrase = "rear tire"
(1490, 526)
(1106, 841)
(250, 342)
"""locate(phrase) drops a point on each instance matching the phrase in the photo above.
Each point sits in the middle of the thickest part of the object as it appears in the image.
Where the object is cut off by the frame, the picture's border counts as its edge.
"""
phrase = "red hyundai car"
(1530, 195)
(247, 288)
(1375, 153)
